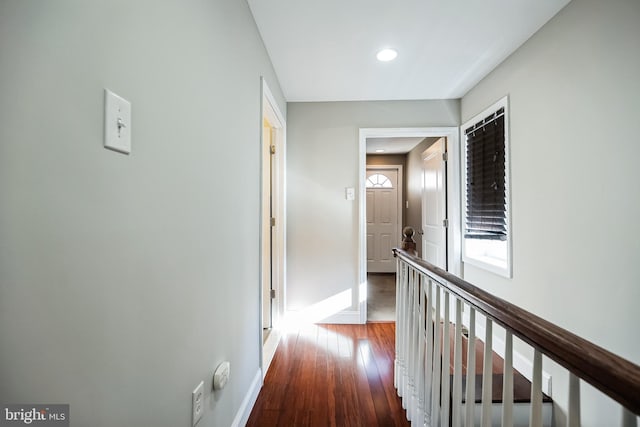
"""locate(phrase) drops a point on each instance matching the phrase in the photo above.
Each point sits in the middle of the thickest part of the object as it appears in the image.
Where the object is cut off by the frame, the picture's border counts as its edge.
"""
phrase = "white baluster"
(573, 414)
(437, 353)
(415, 334)
(405, 339)
(430, 354)
(487, 375)
(446, 363)
(399, 328)
(421, 350)
(536, 390)
(402, 333)
(411, 348)
(457, 369)
(415, 373)
(507, 382)
(628, 418)
(470, 395)
(398, 322)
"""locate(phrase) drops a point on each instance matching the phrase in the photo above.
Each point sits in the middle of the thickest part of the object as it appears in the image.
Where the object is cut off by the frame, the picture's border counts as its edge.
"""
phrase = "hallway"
(381, 297)
(331, 375)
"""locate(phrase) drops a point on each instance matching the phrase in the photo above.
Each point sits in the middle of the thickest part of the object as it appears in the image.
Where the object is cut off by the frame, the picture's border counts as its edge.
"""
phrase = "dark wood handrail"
(616, 377)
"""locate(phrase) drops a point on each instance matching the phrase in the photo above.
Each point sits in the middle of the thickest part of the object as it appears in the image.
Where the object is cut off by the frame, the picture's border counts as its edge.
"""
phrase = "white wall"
(322, 159)
(574, 100)
(124, 280)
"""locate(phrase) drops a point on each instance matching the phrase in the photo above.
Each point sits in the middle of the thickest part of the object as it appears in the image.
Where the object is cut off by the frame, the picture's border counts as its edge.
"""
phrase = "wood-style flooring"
(332, 375)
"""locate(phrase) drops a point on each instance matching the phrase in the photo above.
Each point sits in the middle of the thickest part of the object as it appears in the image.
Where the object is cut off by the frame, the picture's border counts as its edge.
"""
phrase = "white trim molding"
(269, 349)
(242, 416)
(489, 255)
(269, 108)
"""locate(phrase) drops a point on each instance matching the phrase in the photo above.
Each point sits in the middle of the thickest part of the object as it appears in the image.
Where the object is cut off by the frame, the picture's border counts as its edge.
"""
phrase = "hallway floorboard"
(331, 375)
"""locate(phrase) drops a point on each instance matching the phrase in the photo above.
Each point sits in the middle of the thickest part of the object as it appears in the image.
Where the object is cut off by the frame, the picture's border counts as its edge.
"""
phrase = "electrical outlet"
(197, 402)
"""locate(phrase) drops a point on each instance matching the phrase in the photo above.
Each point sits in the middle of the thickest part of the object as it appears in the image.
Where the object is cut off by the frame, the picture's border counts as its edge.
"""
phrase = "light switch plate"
(117, 123)
(350, 193)
(197, 402)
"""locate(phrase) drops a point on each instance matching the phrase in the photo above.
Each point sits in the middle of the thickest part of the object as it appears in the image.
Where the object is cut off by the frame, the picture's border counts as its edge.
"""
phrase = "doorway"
(451, 253)
(384, 187)
(272, 225)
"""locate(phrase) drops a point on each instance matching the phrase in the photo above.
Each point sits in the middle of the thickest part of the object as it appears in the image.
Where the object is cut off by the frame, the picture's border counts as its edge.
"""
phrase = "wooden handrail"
(613, 375)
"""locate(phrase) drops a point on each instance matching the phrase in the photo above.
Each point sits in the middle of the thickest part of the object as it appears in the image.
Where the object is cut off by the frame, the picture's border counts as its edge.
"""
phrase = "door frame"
(400, 188)
(453, 198)
(269, 109)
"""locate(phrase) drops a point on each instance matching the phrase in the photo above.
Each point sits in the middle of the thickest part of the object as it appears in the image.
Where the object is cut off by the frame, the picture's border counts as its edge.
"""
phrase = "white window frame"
(378, 185)
(483, 253)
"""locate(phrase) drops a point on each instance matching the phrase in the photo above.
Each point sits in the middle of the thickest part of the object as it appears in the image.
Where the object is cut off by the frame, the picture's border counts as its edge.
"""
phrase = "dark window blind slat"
(486, 179)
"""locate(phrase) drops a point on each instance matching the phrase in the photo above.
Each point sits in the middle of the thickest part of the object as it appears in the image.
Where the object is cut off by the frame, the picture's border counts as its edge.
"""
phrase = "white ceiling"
(324, 50)
(392, 145)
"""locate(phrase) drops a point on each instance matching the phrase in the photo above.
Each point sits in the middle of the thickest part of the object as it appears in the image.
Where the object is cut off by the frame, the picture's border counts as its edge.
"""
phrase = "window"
(486, 232)
(379, 181)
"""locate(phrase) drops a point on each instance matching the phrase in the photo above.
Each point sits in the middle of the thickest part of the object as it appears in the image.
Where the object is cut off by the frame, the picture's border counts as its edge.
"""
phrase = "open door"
(434, 204)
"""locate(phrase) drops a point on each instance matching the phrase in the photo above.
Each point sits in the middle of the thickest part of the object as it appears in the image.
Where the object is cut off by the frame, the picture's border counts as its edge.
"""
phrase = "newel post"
(408, 244)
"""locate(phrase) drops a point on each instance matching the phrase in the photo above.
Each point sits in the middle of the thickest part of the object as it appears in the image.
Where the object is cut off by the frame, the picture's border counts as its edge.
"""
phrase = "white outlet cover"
(117, 123)
(197, 402)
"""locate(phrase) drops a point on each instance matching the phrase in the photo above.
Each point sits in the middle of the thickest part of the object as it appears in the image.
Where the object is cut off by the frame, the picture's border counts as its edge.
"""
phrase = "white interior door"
(434, 204)
(382, 219)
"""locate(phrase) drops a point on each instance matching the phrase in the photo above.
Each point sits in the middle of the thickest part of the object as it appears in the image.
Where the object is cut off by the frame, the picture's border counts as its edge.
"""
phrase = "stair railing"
(429, 308)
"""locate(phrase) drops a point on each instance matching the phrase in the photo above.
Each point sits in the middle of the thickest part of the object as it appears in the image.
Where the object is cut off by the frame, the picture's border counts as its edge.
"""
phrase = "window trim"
(502, 267)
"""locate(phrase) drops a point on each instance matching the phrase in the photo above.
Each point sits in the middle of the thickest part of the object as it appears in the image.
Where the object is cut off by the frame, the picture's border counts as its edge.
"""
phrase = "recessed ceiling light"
(379, 150)
(387, 55)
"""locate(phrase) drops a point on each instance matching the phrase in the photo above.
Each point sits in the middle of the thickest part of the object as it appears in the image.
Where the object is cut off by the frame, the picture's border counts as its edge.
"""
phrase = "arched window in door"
(378, 180)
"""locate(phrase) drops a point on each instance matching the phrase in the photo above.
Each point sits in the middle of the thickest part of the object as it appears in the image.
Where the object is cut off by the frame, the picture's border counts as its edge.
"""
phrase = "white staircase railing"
(430, 304)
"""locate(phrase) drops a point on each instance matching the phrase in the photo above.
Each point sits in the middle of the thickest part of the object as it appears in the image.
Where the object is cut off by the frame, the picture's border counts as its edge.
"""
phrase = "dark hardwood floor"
(332, 375)
(342, 375)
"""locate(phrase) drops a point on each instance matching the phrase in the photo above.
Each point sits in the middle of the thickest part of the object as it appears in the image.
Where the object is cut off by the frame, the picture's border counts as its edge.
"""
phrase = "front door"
(434, 204)
(382, 219)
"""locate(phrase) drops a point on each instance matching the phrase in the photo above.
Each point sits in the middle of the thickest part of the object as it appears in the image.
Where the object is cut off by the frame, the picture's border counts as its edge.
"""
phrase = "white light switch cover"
(350, 193)
(117, 123)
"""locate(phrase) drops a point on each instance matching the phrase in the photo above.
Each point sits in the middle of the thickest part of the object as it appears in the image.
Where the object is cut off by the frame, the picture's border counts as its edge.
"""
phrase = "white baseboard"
(269, 349)
(242, 416)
